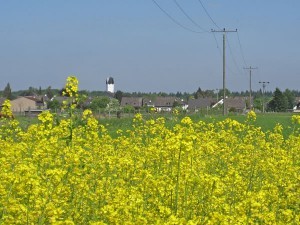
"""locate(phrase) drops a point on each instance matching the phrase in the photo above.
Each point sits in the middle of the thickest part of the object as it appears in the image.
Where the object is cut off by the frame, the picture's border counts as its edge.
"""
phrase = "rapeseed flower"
(71, 171)
(6, 109)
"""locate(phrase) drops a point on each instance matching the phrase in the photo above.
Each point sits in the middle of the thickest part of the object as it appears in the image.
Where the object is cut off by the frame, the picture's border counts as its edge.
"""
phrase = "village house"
(25, 104)
(296, 108)
(136, 102)
(236, 104)
(161, 104)
(200, 103)
(164, 103)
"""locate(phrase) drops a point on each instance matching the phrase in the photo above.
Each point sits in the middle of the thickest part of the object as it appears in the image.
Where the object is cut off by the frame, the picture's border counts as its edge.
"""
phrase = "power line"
(174, 20)
(208, 14)
(187, 16)
(232, 71)
(220, 52)
(217, 42)
(224, 31)
(232, 56)
(226, 40)
(242, 52)
(250, 100)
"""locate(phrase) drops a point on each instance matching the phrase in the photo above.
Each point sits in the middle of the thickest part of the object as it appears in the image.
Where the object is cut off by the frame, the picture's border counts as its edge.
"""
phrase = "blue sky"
(44, 41)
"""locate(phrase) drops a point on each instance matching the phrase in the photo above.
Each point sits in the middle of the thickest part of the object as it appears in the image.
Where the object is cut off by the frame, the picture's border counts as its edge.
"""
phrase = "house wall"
(21, 104)
(110, 88)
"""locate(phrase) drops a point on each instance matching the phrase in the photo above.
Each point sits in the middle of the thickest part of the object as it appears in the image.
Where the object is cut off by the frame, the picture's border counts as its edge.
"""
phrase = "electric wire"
(242, 52)
(231, 70)
(226, 38)
(205, 31)
(217, 43)
(187, 16)
(220, 52)
(232, 56)
(208, 14)
(174, 20)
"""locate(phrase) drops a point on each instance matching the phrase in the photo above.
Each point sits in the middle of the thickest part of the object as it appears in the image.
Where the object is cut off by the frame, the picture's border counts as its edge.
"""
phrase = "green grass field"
(265, 121)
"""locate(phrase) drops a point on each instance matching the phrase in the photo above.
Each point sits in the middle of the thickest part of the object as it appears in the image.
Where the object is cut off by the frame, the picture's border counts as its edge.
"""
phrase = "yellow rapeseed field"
(71, 171)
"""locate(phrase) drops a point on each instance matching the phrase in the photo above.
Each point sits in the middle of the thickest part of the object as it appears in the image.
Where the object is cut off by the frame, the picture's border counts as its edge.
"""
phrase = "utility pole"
(250, 100)
(224, 31)
(264, 83)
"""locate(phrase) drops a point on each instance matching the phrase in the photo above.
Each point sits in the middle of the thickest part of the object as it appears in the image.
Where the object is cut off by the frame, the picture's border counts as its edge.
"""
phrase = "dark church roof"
(110, 80)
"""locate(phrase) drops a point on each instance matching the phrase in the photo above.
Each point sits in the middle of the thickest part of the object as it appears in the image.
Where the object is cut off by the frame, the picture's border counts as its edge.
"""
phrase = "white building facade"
(110, 85)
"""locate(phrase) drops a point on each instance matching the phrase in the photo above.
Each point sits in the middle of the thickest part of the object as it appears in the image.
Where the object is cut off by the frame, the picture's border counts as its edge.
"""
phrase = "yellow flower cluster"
(296, 119)
(72, 86)
(6, 109)
(195, 173)
(71, 90)
(251, 116)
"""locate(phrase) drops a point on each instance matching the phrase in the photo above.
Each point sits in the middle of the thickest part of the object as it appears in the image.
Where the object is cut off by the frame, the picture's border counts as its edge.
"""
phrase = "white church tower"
(110, 84)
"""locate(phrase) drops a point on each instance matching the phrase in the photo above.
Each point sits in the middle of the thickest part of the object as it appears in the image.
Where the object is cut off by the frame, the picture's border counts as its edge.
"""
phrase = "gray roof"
(237, 103)
(164, 101)
(200, 103)
(133, 101)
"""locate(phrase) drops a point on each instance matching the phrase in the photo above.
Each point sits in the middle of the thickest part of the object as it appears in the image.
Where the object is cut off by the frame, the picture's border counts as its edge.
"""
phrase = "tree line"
(277, 101)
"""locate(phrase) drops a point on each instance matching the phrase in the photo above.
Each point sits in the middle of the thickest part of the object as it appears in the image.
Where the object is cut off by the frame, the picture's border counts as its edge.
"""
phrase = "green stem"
(177, 181)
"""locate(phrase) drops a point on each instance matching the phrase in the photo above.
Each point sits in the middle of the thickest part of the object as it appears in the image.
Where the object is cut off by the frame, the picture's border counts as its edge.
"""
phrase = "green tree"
(49, 92)
(198, 93)
(128, 109)
(220, 93)
(39, 91)
(53, 105)
(30, 92)
(258, 103)
(203, 94)
(99, 103)
(290, 98)
(279, 102)
(119, 95)
(113, 105)
(7, 92)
